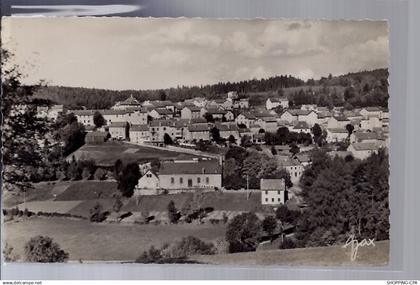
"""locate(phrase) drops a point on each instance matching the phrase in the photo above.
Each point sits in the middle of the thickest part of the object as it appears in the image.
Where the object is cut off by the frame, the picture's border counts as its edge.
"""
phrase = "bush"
(100, 174)
(287, 243)
(153, 255)
(243, 232)
(96, 214)
(173, 214)
(191, 246)
(44, 249)
(117, 204)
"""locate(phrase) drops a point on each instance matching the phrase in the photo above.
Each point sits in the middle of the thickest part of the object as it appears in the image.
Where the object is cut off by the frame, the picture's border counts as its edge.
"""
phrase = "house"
(242, 103)
(323, 117)
(245, 118)
(292, 166)
(217, 113)
(363, 150)
(308, 107)
(289, 116)
(198, 132)
(158, 129)
(337, 134)
(371, 112)
(336, 122)
(96, 137)
(84, 117)
(272, 103)
(137, 116)
(232, 95)
(268, 124)
(273, 191)
(139, 133)
(190, 174)
(50, 112)
(304, 159)
(191, 112)
(229, 116)
(128, 103)
(148, 184)
(152, 112)
(165, 113)
(368, 137)
(370, 123)
(113, 116)
(308, 116)
(118, 130)
(227, 130)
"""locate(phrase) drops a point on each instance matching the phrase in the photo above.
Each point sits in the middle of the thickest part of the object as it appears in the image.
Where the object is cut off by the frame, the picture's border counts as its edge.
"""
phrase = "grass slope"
(90, 241)
(106, 154)
(317, 256)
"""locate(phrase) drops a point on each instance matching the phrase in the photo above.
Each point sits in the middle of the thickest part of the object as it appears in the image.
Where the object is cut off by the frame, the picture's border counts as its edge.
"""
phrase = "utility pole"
(247, 186)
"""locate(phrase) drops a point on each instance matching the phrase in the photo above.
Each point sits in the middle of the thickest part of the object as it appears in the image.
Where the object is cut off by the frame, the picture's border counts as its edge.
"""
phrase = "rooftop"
(272, 184)
(191, 167)
(139, 128)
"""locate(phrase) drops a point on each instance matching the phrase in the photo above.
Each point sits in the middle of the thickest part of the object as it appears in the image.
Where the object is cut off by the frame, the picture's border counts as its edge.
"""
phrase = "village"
(184, 126)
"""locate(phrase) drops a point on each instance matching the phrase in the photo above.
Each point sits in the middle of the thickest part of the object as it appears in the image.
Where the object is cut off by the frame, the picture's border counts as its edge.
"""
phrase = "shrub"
(117, 204)
(191, 245)
(8, 253)
(44, 249)
(243, 232)
(100, 174)
(173, 214)
(153, 255)
(269, 225)
(96, 214)
(287, 243)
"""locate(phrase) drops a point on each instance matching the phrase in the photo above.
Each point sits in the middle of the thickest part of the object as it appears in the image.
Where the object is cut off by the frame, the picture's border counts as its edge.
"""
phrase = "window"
(198, 179)
(172, 180)
(272, 199)
(278, 192)
(278, 199)
(266, 199)
(266, 192)
(149, 175)
(295, 174)
(181, 180)
(207, 180)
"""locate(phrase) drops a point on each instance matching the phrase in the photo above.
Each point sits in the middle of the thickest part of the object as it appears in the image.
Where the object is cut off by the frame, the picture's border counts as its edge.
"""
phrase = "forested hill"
(77, 97)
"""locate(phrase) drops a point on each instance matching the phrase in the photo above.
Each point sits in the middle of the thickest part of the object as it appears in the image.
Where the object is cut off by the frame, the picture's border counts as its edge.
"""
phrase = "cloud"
(169, 57)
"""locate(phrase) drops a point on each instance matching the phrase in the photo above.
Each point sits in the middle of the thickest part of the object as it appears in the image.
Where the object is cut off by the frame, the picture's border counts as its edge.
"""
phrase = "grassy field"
(88, 190)
(108, 153)
(321, 256)
(87, 241)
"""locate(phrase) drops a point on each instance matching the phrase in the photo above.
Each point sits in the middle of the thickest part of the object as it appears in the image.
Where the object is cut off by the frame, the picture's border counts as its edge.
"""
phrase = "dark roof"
(338, 130)
(130, 101)
(215, 111)
(139, 128)
(118, 125)
(272, 184)
(97, 134)
(193, 108)
(198, 121)
(191, 167)
(198, 128)
(341, 118)
(365, 146)
(163, 111)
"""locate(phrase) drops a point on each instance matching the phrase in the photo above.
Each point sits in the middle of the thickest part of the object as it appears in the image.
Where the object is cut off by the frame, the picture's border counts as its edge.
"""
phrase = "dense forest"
(366, 88)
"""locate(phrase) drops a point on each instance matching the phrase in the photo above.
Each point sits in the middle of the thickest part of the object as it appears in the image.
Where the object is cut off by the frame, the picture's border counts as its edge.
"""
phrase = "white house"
(273, 191)
(229, 116)
(198, 132)
(336, 122)
(191, 112)
(301, 127)
(308, 116)
(292, 166)
(289, 116)
(363, 150)
(148, 184)
(245, 118)
(370, 123)
(272, 103)
(118, 130)
(371, 112)
(139, 133)
(136, 117)
(337, 134)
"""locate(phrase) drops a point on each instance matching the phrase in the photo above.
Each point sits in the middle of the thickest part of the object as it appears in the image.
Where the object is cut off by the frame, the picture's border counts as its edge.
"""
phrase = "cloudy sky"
(139, 53)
